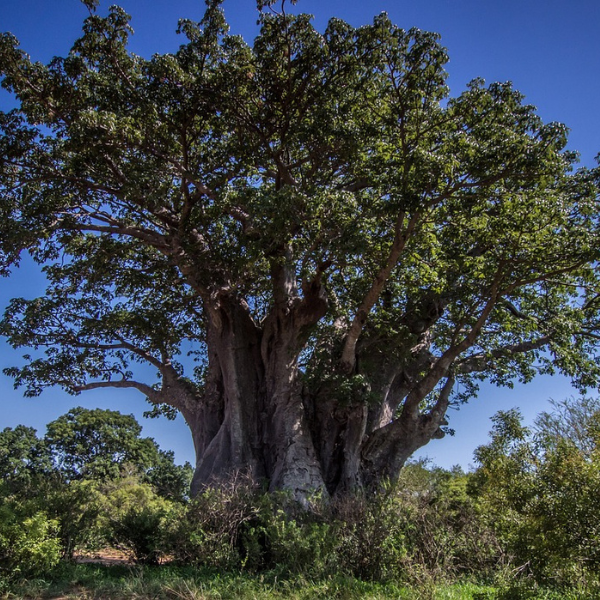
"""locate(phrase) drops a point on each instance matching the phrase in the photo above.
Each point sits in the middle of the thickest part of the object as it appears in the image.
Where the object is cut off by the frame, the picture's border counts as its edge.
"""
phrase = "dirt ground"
(107, 557)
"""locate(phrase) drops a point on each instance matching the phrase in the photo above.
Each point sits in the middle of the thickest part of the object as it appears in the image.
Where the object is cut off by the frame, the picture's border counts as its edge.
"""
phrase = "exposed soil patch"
(107, 557)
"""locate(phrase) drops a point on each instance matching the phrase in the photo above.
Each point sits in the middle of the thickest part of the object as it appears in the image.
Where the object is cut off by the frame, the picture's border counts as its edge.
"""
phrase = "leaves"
(445, 231)
(91, 5)
(540, 491)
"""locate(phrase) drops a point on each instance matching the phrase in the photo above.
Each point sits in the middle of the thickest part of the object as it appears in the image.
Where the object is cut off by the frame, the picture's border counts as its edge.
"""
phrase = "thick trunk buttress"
(226, 427)
(251, 418)
(290, 457)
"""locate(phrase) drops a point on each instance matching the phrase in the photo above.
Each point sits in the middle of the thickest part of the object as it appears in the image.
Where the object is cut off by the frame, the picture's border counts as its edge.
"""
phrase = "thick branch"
(401, 236)
(439, 409)
(152, 394)
(154, 239)
(481, 362)
(443, 363)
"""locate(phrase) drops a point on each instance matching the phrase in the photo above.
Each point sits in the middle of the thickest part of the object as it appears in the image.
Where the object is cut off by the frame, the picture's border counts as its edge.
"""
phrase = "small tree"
(338, 240)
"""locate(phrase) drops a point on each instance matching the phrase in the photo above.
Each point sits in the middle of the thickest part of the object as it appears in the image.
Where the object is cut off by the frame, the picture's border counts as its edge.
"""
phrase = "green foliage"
(297, 543)
(98, 444)
(104, 444)
(425, 531)
(574, 419)
(421, 531)
(526, 518)
(24, 458)
(91, 5)
(76, 508)
(373, 537)
(168, 479)
(96, 480)
(239, 526)
(29, 545)
(540, 493)
(216, 528)
(133, 517)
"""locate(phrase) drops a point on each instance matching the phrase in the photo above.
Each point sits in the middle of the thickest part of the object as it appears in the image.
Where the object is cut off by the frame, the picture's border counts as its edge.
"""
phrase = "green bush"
(76, 508)
(219, 528)
(423, 530)
(29, 545)
(134, 518)
(372, 536)
(239, 526)
(297, 540)
(541, 493)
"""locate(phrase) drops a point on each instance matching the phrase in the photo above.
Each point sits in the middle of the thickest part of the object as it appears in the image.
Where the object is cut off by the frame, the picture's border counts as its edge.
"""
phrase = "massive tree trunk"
(251, 417)
(258, 416)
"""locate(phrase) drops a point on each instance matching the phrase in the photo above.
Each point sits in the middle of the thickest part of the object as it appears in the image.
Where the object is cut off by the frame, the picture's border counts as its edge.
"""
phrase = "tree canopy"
(23, 456)
(344, 248)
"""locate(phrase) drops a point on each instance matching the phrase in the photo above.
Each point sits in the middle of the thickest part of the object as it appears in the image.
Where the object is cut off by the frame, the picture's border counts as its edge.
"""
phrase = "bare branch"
(480, 362)
(152, 394)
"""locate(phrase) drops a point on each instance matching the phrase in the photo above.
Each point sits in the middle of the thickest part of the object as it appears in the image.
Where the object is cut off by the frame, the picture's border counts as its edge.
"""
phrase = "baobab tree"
(344, 248)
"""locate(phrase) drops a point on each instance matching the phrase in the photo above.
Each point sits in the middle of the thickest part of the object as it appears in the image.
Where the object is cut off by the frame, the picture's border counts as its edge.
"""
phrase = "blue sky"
(549, 49)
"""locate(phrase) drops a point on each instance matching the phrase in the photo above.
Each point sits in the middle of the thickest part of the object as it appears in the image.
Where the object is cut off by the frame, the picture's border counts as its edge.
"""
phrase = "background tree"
(24, 459)
(168, 479)
(104, 444)
(574, 419)
(345, 248)
(97, 444)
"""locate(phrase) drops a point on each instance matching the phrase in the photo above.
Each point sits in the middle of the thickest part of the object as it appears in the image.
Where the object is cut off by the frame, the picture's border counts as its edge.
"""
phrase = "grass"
(95, 582)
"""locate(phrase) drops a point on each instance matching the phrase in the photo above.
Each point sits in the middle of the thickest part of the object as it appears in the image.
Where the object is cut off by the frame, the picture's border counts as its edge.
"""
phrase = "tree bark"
(256, 414)
(225, 425)
(251, 417)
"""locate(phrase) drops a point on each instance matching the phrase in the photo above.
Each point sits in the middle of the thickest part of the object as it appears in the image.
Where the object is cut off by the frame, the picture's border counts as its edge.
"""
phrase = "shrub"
(423, 529)
(239, 526)
(541, 494)
(29, 545)
(372, 535)
(211, 530)
(76, 508)
(296, 539)
(134, 519)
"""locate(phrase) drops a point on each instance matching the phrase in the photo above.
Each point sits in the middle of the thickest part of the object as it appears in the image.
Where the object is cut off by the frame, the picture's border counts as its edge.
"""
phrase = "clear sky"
(549, 49)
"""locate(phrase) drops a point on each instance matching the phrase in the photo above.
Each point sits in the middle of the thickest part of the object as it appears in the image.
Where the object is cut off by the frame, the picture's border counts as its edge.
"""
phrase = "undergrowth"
(95, 582)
